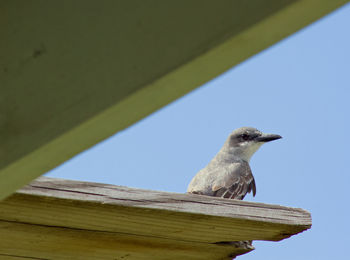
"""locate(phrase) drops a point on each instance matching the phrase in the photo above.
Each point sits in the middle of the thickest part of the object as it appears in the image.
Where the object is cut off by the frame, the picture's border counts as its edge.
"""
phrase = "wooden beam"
(55, 219)
(73, 73)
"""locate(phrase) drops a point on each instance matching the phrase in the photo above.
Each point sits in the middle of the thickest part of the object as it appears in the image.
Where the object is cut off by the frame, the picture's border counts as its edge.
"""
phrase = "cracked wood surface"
(62, 219)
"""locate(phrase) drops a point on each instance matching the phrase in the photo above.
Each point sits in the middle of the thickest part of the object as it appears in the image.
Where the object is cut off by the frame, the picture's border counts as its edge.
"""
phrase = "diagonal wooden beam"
(73, 73)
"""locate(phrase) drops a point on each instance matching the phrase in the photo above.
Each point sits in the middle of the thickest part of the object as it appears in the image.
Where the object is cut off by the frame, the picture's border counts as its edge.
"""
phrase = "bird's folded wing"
(235, 183)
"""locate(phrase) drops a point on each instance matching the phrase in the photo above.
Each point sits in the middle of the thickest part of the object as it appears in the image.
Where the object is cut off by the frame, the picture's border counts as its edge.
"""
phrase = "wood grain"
(50, 210)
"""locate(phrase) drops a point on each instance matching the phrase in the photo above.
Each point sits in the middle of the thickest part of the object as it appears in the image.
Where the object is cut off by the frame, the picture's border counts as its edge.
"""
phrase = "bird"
(228, 174)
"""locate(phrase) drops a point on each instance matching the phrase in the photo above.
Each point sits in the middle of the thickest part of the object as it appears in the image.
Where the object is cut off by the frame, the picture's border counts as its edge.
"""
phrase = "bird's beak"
(267, 137)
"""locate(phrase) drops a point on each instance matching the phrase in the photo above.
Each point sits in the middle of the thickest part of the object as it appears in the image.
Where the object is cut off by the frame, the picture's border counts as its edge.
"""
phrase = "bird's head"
(245, 141)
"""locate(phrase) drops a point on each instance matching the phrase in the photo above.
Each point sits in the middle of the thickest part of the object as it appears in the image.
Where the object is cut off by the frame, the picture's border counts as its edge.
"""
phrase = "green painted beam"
(73, 73)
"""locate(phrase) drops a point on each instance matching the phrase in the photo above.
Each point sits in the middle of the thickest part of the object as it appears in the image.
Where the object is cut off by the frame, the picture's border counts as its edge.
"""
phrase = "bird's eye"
(245, 137)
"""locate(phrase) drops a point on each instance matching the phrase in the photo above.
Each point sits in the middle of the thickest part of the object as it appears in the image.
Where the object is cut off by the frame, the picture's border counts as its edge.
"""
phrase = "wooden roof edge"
(139, 222)
(113, 195)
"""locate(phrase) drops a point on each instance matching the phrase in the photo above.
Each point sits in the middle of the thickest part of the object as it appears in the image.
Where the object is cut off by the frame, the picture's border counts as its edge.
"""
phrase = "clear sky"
(298, 88)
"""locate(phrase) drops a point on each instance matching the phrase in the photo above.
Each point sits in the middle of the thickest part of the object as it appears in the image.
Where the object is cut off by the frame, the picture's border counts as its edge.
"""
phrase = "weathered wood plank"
(206, 219)
(183, 223)
(120, 195)
(45, 242)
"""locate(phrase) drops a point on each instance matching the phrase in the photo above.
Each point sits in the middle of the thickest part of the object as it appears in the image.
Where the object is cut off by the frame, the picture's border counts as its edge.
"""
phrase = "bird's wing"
(235, 183)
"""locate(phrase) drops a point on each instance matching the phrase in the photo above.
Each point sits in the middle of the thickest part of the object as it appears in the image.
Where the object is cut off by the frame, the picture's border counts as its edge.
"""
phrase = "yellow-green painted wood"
(26, 241)
(73, 73)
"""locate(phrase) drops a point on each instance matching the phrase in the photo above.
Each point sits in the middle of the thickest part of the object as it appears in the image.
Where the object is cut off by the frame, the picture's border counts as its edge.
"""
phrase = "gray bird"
(228, 175)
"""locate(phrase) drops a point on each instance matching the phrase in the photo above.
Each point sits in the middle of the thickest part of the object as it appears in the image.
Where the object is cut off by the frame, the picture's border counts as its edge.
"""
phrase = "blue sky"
(298, 88)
